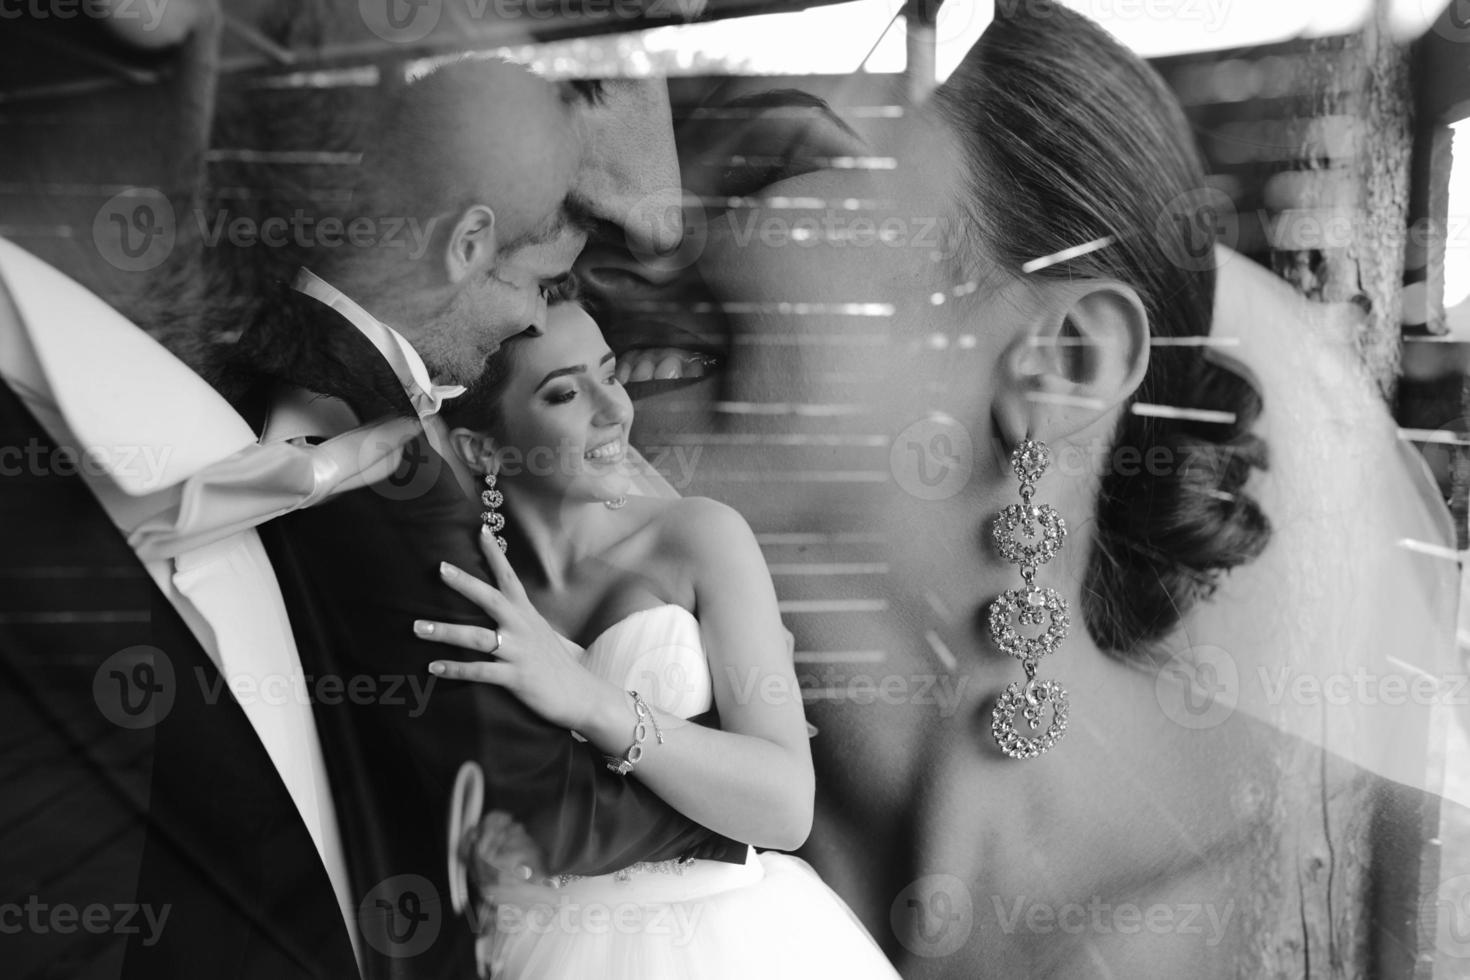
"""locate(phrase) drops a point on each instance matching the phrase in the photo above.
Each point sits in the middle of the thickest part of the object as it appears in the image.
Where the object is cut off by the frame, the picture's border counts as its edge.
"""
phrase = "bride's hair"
(479, 407)
(1070, 138)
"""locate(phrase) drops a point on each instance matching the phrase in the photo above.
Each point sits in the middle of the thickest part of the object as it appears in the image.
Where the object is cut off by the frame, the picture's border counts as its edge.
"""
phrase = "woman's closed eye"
(565, 395)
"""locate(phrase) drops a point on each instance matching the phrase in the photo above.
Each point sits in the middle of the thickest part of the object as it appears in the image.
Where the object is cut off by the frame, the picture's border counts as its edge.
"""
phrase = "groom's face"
(529, 154)
(587, 157)
(510, 299)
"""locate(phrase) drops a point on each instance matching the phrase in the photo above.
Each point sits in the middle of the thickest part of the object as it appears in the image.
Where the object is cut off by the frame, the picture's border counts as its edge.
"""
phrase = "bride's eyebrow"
(790, 98)
(573, 369)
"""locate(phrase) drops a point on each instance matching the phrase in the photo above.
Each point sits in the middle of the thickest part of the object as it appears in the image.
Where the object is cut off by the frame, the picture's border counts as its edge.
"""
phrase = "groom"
(493, 160)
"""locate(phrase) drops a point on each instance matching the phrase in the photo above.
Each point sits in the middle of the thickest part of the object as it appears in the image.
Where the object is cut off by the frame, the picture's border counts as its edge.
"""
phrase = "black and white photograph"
(734, 489)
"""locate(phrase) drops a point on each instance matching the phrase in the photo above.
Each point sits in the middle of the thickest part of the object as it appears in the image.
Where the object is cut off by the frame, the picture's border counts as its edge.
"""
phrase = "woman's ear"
(475, 449)
(471, 247)
(1085, 352)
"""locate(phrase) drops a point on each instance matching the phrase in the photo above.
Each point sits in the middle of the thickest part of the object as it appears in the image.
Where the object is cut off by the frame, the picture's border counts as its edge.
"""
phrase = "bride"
(623, 617)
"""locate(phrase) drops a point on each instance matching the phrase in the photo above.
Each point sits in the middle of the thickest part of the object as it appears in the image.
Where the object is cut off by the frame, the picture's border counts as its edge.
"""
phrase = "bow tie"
(61, 353)
(263, 482)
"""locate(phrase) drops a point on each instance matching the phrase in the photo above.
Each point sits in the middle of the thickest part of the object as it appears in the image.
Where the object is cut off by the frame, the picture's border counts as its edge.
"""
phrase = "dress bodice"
(658, 653)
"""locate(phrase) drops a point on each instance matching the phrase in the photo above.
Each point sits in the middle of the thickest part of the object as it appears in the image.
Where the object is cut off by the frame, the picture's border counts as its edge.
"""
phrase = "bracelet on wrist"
(634, 754)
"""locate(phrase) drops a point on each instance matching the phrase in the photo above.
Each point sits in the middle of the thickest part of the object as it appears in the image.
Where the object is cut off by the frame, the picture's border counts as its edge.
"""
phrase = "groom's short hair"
(456, 137)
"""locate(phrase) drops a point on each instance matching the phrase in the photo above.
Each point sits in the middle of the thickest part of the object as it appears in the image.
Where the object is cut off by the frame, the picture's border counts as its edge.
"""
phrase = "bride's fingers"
(505, 576)
(476, 638)
(481, 672)
(482, 594)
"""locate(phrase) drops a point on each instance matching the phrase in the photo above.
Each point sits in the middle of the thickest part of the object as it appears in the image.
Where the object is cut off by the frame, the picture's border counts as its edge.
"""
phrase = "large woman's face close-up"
(810, 319)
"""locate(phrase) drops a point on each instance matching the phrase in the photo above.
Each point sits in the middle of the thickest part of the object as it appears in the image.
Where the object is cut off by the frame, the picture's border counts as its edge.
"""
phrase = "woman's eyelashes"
(565, 395)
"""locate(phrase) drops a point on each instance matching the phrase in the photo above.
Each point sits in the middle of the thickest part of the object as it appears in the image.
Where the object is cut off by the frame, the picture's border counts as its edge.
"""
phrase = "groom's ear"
(1083, 352)
(470, 250)
(475, 449)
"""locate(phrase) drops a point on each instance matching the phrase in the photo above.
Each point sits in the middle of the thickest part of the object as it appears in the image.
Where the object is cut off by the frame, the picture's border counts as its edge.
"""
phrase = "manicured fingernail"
(423, 627)
(436, 668)
(485, 531)
(447, 570)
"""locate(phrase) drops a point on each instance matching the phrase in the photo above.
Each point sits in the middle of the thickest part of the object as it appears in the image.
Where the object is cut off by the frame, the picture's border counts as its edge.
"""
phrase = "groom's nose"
(629, 176)
(608, 268)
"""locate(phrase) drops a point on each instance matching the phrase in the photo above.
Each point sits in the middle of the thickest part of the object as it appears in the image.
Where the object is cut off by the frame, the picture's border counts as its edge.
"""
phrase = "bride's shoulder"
(699, 524)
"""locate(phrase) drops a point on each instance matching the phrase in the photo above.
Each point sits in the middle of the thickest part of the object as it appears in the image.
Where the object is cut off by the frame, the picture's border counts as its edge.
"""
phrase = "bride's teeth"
(670, 368)
(642, 369)
(661, 364)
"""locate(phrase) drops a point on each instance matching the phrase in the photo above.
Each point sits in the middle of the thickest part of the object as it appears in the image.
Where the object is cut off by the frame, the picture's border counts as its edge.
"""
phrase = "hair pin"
(1067, 254)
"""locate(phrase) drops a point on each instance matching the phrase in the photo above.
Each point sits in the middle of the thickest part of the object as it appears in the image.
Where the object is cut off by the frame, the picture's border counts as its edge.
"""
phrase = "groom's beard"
(456, 341)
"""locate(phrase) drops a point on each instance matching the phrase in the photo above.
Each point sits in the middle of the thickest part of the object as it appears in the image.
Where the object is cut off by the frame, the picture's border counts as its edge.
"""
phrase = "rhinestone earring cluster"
(492, 518)
(1032, 606)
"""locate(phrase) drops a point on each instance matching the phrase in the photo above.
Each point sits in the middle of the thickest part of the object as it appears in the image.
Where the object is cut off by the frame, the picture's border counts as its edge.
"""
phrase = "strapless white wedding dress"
(766, 919)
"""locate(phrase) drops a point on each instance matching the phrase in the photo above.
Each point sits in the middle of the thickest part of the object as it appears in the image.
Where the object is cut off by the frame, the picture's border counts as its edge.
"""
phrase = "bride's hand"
(530, 659)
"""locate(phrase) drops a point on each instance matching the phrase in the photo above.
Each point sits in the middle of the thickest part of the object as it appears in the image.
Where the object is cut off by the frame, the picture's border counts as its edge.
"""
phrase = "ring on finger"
(497, 643)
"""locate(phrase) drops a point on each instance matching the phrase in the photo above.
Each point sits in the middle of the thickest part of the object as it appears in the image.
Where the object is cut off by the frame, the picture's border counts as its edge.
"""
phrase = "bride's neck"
(555, 534)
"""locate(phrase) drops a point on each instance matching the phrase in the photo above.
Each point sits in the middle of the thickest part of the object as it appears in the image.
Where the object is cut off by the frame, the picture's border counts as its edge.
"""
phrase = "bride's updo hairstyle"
(1070, 138)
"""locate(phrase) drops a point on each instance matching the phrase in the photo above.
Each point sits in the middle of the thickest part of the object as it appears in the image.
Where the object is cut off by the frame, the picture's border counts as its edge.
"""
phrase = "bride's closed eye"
(569, 394)
(787, 133)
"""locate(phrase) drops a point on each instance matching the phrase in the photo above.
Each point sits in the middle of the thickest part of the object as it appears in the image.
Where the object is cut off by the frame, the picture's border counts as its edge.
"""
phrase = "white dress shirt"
(425, 396)
(147, 423)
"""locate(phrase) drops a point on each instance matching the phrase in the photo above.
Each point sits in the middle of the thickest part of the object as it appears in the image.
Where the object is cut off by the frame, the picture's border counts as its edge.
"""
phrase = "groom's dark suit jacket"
(144, 831)
(356, 572)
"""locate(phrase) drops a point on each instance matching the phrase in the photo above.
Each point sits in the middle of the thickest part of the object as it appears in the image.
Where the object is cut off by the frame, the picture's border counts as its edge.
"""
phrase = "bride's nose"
(614, 407)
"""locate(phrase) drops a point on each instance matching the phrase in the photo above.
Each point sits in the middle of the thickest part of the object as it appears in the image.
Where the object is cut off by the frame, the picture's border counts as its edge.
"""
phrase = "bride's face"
(565, 417)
